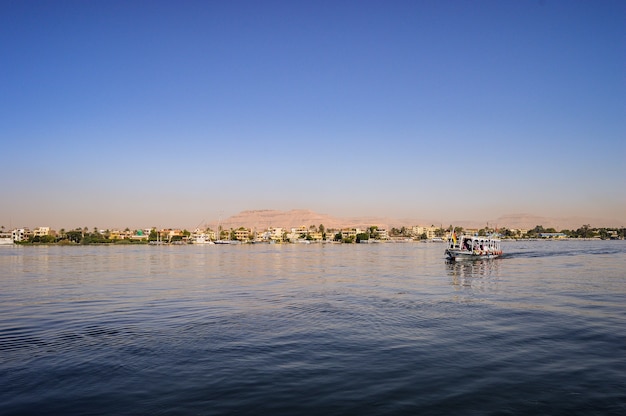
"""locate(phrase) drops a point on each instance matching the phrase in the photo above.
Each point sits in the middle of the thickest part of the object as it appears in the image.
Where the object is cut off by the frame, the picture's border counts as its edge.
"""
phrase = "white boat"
(473, 247)
(201, 239)
(6, 239)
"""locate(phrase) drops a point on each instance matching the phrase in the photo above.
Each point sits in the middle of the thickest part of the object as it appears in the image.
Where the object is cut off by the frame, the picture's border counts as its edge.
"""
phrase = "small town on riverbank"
(302, 234)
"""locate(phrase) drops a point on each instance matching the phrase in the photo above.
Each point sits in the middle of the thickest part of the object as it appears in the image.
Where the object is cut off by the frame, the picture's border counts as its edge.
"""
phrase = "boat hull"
(458, 255)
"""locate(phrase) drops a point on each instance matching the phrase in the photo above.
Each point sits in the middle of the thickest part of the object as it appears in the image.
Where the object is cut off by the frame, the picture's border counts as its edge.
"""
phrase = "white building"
(19, 234)
(276, 233)
(382, 234)
(41, 231)
(429, 231)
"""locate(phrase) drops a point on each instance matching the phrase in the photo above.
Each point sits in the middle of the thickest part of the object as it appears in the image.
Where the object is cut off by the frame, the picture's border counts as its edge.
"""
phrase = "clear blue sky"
(142, 113)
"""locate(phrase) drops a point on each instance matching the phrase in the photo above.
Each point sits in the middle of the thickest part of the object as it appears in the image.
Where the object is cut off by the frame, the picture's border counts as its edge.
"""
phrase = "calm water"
(373, 329)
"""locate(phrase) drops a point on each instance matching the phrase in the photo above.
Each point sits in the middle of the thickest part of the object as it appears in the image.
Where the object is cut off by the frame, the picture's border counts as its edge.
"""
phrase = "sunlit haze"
(164, 113)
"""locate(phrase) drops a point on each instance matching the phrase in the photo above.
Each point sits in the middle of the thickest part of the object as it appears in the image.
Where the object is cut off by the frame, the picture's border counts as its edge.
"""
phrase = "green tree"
(534, 233)
(584, 231)
(74, 235)
(43, 239)
(322, 230)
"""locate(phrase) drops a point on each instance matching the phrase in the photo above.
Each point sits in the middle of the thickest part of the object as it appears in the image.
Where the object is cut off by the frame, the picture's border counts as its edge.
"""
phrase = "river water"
(377, 329)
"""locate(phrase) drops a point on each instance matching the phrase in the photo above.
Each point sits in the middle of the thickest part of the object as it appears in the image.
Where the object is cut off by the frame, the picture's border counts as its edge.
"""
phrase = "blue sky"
(142, 113)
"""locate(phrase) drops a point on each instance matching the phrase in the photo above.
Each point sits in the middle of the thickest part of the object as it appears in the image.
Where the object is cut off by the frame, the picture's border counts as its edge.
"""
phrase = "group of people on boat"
(475, 245)
(481, 247)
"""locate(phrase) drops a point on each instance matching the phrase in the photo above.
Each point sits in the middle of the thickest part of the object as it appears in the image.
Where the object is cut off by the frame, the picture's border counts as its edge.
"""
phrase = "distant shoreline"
(236, 242)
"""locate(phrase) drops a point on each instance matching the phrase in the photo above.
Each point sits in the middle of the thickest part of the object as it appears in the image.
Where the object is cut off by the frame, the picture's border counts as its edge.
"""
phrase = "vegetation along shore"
(302, 234)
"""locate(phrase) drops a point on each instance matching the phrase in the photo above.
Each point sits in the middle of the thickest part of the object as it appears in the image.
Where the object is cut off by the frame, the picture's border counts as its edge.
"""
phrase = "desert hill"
(262, 219)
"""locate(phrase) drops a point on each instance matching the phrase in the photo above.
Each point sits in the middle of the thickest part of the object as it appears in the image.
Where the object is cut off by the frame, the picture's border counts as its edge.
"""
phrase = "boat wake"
(533, 252)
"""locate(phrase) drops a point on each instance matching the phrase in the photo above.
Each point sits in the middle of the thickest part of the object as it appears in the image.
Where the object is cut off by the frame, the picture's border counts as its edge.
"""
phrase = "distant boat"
(159, 241)
(201, 239)
(219, 233)
(227, 242)
(6, 239)
(472, 248)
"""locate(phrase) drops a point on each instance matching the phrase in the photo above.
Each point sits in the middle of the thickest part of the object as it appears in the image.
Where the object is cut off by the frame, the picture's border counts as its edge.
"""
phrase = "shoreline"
(63, 243)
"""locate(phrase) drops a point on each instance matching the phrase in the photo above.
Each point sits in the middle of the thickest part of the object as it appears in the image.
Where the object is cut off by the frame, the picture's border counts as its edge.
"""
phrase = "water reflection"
(472, 273)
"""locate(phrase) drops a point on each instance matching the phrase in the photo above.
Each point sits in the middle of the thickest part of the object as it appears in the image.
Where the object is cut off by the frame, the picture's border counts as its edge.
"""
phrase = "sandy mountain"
(262, 219)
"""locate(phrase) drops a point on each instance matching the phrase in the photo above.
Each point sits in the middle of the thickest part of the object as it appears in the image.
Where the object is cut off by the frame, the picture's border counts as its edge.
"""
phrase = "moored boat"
(472, 247)
(6, 239)
(201, 238)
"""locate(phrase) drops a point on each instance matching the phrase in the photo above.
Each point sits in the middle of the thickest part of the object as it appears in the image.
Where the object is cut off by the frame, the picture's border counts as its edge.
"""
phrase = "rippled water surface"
(313, 329)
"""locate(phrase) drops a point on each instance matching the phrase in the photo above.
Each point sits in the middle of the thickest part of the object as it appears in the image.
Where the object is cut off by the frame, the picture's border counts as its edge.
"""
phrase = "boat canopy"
(471, 243)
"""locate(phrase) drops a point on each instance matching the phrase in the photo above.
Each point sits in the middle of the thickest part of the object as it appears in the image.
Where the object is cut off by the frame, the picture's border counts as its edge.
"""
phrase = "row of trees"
(84, 236)
(585, 231)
